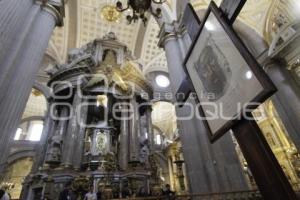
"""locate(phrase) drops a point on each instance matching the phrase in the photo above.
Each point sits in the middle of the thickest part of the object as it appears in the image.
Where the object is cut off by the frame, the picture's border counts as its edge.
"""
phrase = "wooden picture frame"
(192, 24)
(219, 63)
(191, 21)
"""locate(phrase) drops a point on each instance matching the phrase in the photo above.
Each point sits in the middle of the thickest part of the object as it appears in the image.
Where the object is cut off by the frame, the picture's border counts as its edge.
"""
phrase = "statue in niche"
(278, 21)
(54, 154)
(154, 168)
(109, 61)
(110, 36)
(144, 152)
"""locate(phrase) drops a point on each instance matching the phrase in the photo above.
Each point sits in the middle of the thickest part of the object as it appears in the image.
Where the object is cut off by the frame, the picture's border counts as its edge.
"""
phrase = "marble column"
(63, 122)
(134, 132)
(124, 136)
(48, 131)
(13, 18)
(20, 61)
(149, 126)
(286, 99)
(72, 130)
(210, 167)
(80, 136)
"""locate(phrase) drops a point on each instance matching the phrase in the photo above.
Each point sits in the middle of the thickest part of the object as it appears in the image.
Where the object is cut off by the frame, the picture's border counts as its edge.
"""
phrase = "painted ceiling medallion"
(110, 13)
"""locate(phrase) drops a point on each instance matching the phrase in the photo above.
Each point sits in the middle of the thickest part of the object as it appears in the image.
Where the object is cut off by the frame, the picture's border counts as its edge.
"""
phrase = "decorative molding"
(170, 32)
(106, 56)
(284, 40)
(54, 7)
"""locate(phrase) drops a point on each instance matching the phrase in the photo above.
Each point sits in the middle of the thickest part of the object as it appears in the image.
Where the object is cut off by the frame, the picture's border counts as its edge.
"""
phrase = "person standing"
(4, 195)
(66, 194)
(168, 192)
(99, 193)
(91, 195)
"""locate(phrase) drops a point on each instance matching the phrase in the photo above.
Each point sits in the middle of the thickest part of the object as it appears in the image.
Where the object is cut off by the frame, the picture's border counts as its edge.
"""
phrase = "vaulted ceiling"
(83, 23)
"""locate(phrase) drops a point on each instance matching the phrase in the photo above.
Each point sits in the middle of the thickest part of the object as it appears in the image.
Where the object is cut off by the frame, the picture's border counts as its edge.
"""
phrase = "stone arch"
(28, 152)
(43, 89)
(41, 95)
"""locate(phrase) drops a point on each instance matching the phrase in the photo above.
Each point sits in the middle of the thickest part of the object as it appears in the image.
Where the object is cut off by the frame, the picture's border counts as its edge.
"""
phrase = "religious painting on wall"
(225, 76)
(99, 144)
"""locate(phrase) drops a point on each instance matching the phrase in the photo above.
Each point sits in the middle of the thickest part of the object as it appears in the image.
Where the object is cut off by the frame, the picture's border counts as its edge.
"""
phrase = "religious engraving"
(213, 70)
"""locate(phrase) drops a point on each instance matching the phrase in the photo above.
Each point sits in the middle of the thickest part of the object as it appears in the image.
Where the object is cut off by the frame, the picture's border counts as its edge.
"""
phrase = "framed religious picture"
(225, 76)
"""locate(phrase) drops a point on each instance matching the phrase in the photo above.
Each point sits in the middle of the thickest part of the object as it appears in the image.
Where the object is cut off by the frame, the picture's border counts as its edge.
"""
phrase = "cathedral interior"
(88, 101)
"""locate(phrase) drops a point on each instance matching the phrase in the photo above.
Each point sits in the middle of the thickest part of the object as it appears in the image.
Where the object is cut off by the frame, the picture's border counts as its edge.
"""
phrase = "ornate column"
(72, 130)
(80, 135)
(48, 131)
(169, 35)
(12, 15)
(21, 59)
(134, 132)
(286, 99)
(124, 136)
(149, 126)
(63, 122)
(210, 167)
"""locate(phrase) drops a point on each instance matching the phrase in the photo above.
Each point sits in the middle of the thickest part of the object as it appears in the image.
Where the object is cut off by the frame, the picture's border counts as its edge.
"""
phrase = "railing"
(239, 195)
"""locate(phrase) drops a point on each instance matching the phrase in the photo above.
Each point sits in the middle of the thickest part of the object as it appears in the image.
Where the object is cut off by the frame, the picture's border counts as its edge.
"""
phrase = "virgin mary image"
(211, 74)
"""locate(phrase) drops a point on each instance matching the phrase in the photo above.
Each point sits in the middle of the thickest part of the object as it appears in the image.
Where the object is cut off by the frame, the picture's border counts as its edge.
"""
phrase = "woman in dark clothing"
(66, 194)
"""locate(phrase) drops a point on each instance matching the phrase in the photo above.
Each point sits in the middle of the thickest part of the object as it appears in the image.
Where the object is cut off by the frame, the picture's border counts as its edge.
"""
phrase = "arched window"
(158, 139)
(30, 130)
(31, 127)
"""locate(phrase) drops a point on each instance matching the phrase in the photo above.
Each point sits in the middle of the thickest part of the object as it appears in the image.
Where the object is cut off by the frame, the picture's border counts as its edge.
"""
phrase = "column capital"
(54, 7)
(169, 32)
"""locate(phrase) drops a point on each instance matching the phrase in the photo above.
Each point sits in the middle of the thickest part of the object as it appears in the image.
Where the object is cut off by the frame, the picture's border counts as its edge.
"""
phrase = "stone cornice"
(170, 32)
(54, 7)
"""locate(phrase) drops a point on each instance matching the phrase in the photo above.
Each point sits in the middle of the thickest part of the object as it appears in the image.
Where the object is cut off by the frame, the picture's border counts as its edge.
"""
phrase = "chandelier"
(139, 8)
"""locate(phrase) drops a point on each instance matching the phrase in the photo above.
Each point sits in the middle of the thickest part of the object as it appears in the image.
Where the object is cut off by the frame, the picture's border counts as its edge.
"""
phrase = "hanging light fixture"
(139, 8)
